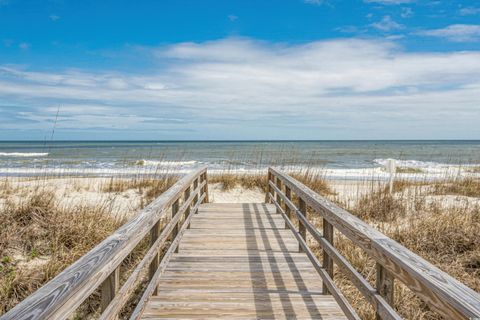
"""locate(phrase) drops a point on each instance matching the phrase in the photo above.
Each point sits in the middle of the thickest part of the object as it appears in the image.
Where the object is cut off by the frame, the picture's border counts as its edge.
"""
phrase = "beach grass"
(408, 170)
(40, 235)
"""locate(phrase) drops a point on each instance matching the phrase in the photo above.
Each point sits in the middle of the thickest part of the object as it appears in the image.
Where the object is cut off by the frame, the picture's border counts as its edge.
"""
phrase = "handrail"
(100, 266)
(440, 291)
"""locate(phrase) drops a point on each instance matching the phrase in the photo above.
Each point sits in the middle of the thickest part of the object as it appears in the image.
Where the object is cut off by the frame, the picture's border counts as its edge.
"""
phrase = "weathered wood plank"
(152, 254)
(381, 306)
(152, 286)
(385, 285)
(333, 289)
(63, 294)
(109, 288)
(443, 293)
(327, 260)
(209, 270)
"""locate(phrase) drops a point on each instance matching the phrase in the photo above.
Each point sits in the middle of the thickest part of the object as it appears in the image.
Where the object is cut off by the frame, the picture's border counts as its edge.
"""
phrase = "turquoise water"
(113, 156)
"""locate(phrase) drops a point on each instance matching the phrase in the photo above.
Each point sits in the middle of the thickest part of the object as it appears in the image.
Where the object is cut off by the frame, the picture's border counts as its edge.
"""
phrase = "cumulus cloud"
(314, 2)
(54, 17)
(24, 46)
(455, 33)
(387, 24)
(219, 85)
(406, 12)
(389, 2)
(469, 11)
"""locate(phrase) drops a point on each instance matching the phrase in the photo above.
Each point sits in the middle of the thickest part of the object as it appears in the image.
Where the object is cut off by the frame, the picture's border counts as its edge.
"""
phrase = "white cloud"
(232, 17)
(387, 24)
(340, 83)
(24, 46)
(406, 12)
(389, 2)
(315, 2)
(469, 11)
(54, 17)
(455, 33)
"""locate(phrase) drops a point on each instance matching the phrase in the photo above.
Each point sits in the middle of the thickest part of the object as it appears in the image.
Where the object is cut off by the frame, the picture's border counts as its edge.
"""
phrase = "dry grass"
(231, 180)
(40, 236)
(408, 170)
(39, 239)
(228, 180)
(474, 169)
(469, 187)
(149, 188)
(445, 236)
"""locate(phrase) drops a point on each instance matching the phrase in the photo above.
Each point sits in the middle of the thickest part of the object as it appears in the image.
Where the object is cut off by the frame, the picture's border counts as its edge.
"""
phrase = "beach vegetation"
(40, 234)
(408, 170)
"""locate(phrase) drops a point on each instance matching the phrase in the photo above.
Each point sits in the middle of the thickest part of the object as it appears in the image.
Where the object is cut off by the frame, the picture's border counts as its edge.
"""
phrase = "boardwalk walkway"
(239, 261)
(243, 261)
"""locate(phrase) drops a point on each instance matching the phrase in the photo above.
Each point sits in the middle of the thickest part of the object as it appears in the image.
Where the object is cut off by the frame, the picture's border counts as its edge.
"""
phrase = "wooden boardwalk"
(243, 261)
(238, 261)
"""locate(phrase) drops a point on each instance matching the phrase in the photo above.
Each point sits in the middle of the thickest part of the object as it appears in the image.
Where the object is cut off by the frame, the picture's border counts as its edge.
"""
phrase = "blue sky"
(365, 69)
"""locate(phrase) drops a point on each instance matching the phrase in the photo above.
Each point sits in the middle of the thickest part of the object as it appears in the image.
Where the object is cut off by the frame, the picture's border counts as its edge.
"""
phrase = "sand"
(71, 192)
(74, 191)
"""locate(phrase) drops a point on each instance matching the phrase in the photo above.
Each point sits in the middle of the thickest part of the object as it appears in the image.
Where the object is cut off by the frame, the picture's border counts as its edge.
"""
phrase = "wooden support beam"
(174, 213)
(205, 188)
(186, 195)
(279, 198)
(269, 188)
(109, 288)
(154, 233)
(385, 285)
(302, 207)
(195, 186)
(288, 194)
(327, 260)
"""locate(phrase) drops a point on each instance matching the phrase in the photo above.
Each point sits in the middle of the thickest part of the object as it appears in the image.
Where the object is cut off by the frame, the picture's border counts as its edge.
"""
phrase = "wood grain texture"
(244, 270)
(441, 292)
(385, 284)
(152, 255)
(153, 284)
(378, 302)
(63, 294)
(327, 280)
(109, 288)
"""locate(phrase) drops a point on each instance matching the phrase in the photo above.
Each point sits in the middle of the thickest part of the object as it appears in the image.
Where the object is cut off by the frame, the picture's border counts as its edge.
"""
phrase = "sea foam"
(23, 154)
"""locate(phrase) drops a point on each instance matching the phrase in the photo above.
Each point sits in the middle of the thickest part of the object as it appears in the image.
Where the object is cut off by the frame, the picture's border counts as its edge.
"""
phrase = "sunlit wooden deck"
(243, 261)
(239, 261)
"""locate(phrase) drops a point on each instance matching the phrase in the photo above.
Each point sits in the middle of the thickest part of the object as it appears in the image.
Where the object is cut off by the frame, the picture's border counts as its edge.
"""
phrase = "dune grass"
(408, 170)
(447, 236)
(40, 236)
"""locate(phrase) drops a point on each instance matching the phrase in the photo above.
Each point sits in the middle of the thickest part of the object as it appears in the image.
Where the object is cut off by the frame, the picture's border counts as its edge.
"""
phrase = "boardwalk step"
(237, 261)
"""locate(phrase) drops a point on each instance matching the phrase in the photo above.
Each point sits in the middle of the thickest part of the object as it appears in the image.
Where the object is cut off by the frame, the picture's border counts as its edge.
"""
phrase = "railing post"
(186, 195)
(288, 194)
(302, 207)
(269, 188)
(195, 199)
(327, 260)
(174, 212)
(109, 288)
(385, 285)
(279, 199)
(205, 188)
(154, 233)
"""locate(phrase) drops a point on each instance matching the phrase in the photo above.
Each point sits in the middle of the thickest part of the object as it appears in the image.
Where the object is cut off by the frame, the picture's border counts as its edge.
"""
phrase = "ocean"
(337, 158)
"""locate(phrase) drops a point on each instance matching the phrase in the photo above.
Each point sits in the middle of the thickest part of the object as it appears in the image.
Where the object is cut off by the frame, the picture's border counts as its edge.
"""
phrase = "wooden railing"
(441, 292)
(100, 268)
